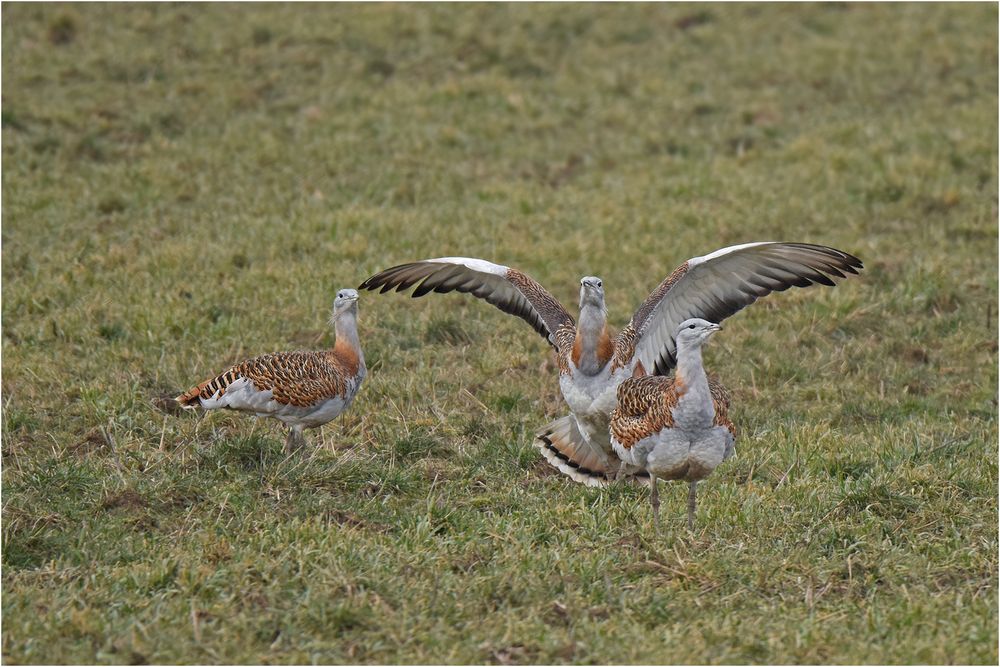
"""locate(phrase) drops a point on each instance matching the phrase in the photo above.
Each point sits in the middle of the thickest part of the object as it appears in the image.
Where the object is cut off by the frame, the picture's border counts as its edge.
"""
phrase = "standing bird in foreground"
(675, 428)
(593, 362)
(301, 389)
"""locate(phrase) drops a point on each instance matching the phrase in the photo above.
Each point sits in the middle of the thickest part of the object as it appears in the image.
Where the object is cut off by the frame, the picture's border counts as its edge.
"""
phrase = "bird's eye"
(690, 326)
(600, 284)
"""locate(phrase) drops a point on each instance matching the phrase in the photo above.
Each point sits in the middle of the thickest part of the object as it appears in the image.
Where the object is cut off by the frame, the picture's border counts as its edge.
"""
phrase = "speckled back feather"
(645, 406)
(300, 378)
(552, 312)
(624, 351)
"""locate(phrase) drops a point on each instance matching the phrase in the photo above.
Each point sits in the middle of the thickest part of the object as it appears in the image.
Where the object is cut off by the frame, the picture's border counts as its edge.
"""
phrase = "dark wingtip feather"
(371, 282)
(849, 263)
(386, 279)
(426, 286)
(824, 280)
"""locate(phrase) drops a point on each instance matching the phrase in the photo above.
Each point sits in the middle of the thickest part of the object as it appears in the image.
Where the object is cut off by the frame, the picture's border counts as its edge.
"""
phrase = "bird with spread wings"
(592, 361)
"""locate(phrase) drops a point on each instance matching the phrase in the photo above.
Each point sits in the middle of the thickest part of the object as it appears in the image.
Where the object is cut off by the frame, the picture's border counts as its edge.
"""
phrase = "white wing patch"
(474, 264)
(725, 251)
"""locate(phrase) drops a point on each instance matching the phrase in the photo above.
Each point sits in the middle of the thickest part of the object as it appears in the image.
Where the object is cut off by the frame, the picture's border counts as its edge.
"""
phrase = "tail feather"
(213, 387)
(565, 448)
(189, 400)
(568, 450)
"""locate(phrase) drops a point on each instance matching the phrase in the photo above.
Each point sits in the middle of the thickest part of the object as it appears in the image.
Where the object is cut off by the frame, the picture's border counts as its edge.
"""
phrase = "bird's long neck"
(592, 347)
(690, 368)
(348, 345)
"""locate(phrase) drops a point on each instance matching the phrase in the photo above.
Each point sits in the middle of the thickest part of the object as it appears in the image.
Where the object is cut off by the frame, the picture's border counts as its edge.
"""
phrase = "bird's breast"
(694, 409)
(586, 393)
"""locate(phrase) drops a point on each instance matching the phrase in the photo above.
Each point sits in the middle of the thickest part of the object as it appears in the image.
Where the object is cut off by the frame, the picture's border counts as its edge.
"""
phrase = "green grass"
(184, 185)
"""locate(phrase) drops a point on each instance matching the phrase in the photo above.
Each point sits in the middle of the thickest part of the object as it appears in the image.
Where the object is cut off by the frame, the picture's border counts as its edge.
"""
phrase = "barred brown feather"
(300, 378)
(645, 407)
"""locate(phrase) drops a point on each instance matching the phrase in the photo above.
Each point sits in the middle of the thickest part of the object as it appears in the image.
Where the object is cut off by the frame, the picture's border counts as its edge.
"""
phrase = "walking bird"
(675, 428)
(300, 389)
(593, 362)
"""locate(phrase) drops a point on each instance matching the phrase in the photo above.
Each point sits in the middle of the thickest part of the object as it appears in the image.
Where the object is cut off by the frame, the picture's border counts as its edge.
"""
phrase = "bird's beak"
(716, 327)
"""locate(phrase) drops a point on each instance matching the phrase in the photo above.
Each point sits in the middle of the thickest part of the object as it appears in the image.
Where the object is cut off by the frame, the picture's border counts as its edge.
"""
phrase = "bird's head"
(346, 301)
(695, 331)
(591, 292)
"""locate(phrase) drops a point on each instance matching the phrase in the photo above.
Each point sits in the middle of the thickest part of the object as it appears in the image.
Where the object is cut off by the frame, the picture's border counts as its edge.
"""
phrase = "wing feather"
(508, 289)
(721, 283)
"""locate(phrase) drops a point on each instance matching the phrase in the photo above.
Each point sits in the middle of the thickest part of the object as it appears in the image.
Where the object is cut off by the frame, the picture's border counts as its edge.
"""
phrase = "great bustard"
(303, 389)
(592, 362)
(678, 427)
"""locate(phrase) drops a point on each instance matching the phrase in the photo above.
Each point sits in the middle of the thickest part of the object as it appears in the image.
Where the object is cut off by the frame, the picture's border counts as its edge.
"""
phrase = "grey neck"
(346, 328)
(689, 364)
(593, 319)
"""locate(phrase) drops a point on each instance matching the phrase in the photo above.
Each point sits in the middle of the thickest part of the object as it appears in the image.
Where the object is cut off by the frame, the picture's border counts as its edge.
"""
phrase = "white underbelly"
(634, 456)
(591, 398)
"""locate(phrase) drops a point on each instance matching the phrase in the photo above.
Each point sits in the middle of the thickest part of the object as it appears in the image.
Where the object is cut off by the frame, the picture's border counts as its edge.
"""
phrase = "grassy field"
(187, 185)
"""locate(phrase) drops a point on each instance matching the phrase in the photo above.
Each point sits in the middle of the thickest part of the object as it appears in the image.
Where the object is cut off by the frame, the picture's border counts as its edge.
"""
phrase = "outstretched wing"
(508, 289)
(715, 286)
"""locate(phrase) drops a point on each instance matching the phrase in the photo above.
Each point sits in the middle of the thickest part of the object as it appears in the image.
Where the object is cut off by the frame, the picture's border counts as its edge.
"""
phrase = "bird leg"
(654, 500)
(621, 472)
(294, 440)
(692, 489)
